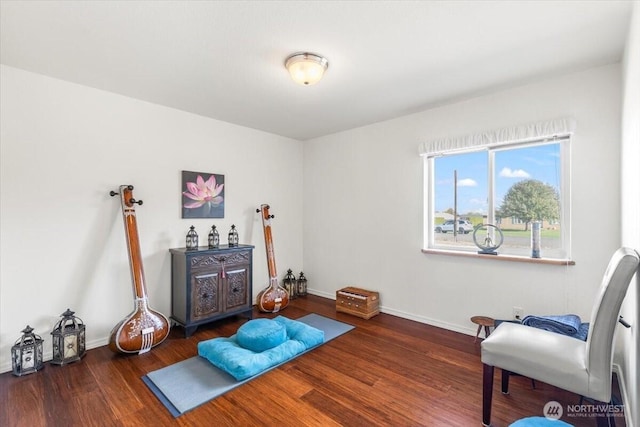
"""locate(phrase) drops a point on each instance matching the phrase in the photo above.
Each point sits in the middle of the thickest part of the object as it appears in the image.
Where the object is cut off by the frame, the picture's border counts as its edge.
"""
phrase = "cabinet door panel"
(205, 295)
(237, 290)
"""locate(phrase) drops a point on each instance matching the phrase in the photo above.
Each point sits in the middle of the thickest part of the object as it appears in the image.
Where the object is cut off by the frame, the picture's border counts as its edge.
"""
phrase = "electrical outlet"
(518, 313)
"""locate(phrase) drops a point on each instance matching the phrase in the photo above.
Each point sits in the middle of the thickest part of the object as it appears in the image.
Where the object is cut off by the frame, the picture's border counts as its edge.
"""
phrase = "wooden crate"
(358, 302)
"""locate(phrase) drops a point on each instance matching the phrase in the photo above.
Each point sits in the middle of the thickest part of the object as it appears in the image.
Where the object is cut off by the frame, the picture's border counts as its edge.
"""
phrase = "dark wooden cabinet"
(209, 284)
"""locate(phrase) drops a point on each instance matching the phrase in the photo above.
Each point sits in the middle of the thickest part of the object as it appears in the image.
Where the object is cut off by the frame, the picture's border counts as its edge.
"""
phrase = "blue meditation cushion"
(259, 335)
(240, 362)
(306, 335)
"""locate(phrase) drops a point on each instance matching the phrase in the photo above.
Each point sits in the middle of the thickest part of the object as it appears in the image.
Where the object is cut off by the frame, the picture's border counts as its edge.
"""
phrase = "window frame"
(563, 255)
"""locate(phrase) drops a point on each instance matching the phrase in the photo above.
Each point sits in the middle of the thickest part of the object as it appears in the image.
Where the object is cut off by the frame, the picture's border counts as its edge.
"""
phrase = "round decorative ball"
(259, 335)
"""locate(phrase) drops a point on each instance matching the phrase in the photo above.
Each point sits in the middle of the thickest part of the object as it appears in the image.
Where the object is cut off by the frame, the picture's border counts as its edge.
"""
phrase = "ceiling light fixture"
(306, 68)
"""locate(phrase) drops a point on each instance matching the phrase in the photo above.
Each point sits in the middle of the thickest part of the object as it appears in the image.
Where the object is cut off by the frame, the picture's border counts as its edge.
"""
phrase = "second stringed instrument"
(274, 298)
(143, 328)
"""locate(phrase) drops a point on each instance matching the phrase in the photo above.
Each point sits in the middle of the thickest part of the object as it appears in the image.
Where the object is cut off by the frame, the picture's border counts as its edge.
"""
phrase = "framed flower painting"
(202, 195)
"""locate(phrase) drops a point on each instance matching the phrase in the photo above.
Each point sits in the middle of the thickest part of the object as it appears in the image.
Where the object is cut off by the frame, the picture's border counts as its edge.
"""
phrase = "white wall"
(363, 207)
(65, 146)
(629, 339)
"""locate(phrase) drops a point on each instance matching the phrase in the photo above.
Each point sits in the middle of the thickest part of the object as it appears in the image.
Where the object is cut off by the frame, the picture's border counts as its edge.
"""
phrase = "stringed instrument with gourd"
(274, 298)
(144, 328)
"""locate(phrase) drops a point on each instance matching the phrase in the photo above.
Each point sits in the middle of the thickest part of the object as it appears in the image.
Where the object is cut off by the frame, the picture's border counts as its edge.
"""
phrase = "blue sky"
(540, 162)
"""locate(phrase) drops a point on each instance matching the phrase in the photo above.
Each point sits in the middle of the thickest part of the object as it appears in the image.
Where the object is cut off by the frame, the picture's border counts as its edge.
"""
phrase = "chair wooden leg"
(505, 381)
(487, 393)
(606, 419)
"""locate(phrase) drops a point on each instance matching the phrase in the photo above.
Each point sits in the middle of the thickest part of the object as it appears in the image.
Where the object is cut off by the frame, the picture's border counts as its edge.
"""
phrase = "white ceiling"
(224, 59)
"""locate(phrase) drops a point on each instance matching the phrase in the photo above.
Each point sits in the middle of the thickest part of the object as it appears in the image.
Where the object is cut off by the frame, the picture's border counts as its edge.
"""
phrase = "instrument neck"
(271, 257)
(133, 244)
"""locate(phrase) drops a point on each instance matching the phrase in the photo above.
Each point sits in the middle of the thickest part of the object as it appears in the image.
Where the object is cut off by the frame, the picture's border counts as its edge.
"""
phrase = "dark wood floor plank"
(379, 406)
(388, 371)
(286, 408)
(22, 400)
(338, 413)
(115, 380)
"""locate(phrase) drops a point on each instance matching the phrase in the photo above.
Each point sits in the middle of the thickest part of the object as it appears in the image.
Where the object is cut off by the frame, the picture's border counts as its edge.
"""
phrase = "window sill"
(500, 257)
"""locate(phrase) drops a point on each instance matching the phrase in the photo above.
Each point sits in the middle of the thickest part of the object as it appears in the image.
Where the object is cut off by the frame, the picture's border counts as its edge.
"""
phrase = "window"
(509, 184)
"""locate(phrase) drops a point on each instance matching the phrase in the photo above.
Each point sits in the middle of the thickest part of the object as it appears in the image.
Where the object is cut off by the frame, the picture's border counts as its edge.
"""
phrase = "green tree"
(530, 200)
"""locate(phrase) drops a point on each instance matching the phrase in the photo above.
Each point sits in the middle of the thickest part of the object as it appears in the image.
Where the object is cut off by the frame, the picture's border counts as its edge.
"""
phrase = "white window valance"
(523, 133)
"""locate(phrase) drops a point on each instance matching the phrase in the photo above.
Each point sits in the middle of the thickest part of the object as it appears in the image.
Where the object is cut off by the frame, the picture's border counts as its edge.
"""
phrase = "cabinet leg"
(189, 330)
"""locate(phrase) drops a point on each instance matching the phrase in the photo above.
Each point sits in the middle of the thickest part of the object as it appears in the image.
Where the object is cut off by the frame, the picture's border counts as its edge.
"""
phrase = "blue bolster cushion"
(259, 335)
(240, 362)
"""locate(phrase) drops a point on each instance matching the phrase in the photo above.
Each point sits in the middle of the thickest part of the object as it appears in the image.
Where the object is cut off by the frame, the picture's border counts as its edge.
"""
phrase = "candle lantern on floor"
(26, 353)
(290, 284)
(233, 236)
(68, 339)
(302, 285)
(192, 238)
(214, 237)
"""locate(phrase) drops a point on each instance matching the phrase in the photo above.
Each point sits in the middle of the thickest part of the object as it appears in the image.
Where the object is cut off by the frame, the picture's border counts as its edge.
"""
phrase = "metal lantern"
(302, 285)
(26, 353)
(233, 236)
(192, 238)
(214, 238)
(68, 339)
(290, 284)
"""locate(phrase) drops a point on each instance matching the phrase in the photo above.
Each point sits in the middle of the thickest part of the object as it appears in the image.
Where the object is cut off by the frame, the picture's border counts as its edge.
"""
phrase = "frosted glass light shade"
(306, 68)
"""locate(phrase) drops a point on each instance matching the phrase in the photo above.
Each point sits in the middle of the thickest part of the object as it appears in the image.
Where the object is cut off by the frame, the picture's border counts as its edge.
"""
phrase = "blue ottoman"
(539, 422)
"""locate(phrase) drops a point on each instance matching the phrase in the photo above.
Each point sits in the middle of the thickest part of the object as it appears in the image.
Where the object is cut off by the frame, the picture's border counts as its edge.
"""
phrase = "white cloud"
(467, 182)
(517, 173)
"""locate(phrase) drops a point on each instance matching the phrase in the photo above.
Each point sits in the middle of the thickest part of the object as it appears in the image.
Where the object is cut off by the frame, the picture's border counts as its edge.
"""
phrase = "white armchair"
(568, 363)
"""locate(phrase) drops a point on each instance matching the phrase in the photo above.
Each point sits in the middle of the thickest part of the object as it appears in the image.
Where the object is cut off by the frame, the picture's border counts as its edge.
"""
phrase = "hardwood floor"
(388, 371)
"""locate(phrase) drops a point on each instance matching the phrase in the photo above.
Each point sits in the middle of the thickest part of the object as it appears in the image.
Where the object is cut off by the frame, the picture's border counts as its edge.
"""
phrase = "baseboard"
(48, 355)
(624, 394)
(409, 316)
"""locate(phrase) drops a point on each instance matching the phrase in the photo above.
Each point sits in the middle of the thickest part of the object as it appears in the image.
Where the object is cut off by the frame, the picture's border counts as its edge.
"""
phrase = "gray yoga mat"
(194, 381)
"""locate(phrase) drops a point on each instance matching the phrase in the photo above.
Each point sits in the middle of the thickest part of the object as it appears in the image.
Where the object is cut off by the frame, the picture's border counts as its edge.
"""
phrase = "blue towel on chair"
(568, 324)
(582, 332)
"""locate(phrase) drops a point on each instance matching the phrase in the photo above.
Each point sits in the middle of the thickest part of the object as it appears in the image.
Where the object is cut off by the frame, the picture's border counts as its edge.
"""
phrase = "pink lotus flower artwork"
(202, 195)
